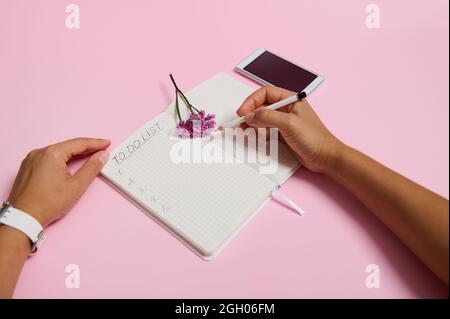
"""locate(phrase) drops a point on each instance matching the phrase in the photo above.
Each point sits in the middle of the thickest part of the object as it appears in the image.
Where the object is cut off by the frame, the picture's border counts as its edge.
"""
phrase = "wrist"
(15, 240)
(18, 219)
(335, 157)
(30, 209)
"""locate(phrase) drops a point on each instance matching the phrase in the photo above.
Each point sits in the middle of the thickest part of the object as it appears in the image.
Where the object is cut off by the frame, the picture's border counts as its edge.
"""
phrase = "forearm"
(416, 215)
(14, 250)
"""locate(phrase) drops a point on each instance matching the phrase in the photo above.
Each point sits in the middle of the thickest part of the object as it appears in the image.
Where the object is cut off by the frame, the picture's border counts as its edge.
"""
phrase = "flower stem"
(177, 106)
(190, 106)
(186, 101)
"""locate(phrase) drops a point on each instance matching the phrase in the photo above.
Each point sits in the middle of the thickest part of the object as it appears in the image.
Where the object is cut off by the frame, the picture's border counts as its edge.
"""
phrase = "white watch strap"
(20, 220)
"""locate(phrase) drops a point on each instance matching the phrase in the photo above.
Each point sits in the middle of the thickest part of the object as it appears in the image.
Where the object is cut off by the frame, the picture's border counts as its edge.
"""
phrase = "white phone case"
(255, 54)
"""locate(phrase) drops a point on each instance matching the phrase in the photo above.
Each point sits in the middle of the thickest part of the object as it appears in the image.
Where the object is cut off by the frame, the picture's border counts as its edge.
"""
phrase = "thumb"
(269, 118)
(90, 169)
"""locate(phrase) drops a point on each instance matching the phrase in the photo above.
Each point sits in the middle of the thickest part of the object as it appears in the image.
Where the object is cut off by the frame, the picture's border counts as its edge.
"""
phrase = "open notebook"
(202, 204)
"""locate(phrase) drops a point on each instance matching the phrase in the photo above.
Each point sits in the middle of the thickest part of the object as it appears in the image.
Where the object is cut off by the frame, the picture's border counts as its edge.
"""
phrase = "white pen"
(292, 99)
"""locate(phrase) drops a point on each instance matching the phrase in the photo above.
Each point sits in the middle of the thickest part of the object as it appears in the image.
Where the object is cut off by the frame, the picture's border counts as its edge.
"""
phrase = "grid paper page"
(203, 204)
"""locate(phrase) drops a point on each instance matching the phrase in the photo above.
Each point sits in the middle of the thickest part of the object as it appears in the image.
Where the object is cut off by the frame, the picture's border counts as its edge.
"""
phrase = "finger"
(269, 118)
(90, 169)
(79, 146)
(263, 96)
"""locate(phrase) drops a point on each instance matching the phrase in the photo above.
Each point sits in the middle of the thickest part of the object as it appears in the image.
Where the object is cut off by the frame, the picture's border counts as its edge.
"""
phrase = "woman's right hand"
(298, 124)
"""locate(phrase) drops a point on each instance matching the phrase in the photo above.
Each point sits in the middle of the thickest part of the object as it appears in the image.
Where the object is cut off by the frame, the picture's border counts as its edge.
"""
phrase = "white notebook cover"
(203, 205)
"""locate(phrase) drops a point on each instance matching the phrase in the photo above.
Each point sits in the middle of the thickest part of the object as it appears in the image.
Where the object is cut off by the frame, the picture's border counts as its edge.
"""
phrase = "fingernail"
(250, 118)
(103, 157)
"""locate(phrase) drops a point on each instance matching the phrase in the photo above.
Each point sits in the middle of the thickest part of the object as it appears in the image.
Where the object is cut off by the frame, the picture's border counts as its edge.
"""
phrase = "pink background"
(386, 93)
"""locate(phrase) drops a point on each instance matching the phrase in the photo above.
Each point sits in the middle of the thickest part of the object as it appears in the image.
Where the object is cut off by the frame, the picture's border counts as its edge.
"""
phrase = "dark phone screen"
(280, 72)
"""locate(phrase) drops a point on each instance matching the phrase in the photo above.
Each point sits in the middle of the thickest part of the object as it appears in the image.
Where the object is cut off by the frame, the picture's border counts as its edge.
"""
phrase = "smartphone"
(268, 68)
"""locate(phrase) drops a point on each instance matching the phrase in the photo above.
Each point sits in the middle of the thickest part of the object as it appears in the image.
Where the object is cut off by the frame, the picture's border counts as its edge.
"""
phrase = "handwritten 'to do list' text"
(139, 140)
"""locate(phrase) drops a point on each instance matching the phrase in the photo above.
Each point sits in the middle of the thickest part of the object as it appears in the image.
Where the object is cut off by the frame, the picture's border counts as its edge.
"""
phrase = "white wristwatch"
(20, 220)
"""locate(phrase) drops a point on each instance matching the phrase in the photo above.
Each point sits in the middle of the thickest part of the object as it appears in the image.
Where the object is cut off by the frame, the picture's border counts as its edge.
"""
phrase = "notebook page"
(222, 95)
(276, 162)
(203, 204)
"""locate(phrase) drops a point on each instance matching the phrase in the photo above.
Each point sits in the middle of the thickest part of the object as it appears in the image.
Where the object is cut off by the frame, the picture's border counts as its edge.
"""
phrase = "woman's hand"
(298, 124)
(416, 215)
(44, 187)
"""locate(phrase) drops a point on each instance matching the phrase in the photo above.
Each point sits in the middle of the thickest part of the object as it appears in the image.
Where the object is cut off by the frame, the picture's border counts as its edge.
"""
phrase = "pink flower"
(197, 125)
